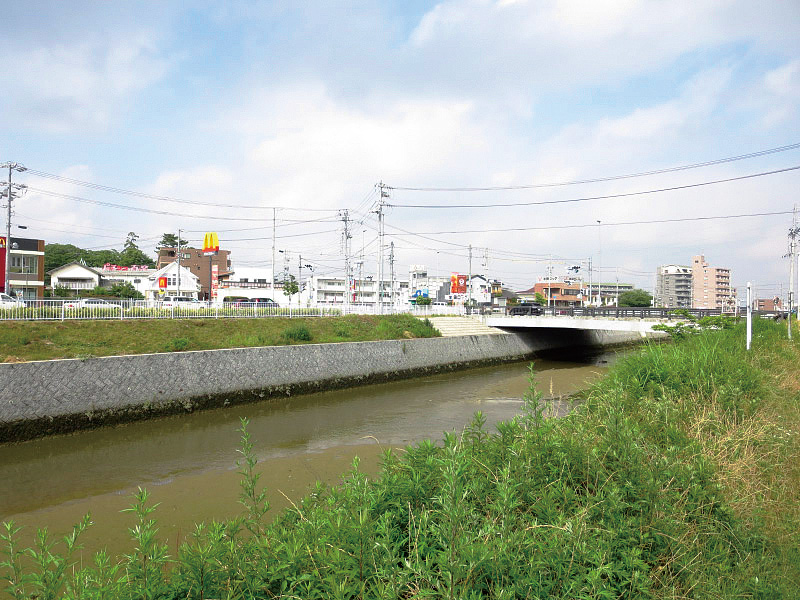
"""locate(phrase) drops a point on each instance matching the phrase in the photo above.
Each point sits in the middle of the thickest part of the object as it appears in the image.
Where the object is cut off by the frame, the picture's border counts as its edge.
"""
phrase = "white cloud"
(74, 87)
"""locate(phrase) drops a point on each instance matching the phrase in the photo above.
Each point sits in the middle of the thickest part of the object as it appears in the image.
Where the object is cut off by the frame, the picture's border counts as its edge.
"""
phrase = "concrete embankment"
(44, 397)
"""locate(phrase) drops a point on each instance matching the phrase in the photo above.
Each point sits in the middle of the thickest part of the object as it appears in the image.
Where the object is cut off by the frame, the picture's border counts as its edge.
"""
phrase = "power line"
(620, 223)
(139, 209)
(601, 179)
(106, 188)
(605, 197)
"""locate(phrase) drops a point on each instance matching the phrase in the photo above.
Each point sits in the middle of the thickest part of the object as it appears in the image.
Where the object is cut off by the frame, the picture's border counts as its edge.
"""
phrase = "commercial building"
(560, 292)
(768, 304)
(673, 286)
(207, 269)
(26, 267)
(711, 286)
(322, 290)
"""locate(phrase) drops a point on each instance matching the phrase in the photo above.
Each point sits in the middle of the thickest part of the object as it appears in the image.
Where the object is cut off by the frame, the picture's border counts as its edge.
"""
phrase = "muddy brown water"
(187, 462)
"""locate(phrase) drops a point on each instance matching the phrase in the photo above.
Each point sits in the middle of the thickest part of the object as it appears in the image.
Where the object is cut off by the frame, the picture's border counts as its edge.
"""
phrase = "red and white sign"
(162, 283)
(112, 267)
(458, 284)
(214, 281)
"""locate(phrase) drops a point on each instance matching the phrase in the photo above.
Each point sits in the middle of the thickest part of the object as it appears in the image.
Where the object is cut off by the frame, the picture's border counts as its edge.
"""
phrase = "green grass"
(43, 340)
(676, 478)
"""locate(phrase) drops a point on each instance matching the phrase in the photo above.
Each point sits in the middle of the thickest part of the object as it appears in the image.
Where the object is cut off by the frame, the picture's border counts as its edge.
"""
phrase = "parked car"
(263, 303)
(526, 308)
(184, 302)
(95, 303)
(7, 301)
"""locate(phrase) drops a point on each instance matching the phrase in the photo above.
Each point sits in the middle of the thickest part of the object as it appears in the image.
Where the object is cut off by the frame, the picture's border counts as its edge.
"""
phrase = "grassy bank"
(44, 340)
(677, 478)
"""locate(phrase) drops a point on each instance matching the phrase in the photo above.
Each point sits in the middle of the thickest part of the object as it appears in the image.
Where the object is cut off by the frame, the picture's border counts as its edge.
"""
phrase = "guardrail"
(90, 309)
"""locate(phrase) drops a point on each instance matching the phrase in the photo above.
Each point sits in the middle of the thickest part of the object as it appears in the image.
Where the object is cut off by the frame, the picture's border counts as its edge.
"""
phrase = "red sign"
(214, 281)
(458, 284)
(162, 283)
(112, 267)
(3, 264)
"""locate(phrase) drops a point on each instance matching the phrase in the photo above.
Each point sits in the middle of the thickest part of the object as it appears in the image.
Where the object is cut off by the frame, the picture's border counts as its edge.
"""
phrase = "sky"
(148, 117)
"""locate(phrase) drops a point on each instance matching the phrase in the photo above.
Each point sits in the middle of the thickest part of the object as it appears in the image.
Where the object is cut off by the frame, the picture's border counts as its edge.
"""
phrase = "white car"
(91, 303)
(7, 301)
(183, 302)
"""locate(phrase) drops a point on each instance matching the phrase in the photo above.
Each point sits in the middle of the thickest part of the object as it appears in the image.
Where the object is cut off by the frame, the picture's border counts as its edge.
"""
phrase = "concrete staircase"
(455, 326)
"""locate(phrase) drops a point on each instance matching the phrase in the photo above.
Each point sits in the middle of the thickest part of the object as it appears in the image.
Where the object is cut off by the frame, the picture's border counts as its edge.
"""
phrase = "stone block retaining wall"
(37, 398)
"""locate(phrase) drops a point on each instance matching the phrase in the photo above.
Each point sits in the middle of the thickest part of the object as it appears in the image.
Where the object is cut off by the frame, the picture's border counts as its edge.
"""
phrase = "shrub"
(177, 345)
(298, 333)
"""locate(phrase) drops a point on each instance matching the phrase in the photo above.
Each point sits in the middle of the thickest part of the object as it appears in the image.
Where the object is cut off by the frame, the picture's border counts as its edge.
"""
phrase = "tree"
(290, 287)
(635, 298)
(131, 255)
(125, 289)
(170, 240)
(423, 301)
(539, 298)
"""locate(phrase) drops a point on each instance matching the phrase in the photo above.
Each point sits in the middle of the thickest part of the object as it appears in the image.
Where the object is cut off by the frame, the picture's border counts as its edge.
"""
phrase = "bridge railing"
(615, 312)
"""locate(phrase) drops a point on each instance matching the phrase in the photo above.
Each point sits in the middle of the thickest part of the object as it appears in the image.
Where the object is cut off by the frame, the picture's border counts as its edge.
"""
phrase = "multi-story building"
(26, 267)
(711, 286)
(769, 304)
(558, 291)
(201, 266)
(673, 286)
(608, 293)
(324, 290)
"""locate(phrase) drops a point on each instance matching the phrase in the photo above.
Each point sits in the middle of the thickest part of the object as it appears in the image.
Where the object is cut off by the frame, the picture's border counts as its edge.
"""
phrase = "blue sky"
(308, 105)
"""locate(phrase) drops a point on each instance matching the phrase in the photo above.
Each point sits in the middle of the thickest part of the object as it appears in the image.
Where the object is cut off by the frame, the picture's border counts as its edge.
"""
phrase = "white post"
(749, 315)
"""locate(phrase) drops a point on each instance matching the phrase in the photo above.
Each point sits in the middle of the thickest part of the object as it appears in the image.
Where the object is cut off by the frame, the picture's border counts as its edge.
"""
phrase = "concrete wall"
(38, 398)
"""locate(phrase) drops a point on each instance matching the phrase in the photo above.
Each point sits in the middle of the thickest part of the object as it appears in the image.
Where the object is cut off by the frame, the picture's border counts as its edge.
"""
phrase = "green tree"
(125, 290)
(290, 287)
(170, 240)
(539, 298)
(423, 301)
(635, 298)
(132, 255)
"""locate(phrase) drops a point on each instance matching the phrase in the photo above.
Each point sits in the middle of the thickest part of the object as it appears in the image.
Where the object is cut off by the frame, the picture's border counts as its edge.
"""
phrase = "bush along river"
(675, 477)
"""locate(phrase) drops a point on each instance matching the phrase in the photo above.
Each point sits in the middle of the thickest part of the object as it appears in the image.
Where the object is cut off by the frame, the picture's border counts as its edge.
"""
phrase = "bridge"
(622, 319)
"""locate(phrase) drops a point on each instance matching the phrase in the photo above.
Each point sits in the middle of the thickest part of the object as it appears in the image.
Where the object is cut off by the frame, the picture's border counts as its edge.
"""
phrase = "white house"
(188, 286)
(75, 276)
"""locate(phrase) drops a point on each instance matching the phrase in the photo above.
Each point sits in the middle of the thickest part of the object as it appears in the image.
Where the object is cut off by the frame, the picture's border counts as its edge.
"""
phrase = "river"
(187, 462)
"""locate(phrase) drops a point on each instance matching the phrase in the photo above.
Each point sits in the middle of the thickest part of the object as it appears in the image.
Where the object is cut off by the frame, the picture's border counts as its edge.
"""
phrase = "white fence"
(88, 309)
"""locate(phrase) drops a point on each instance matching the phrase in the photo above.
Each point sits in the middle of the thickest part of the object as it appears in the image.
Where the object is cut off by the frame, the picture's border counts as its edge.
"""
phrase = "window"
(23, 263)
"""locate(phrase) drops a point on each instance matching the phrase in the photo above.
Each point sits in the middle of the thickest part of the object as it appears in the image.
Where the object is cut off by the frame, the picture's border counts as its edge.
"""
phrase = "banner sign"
(458, 284)
(112, 267)
(210, 243)
(214, 281)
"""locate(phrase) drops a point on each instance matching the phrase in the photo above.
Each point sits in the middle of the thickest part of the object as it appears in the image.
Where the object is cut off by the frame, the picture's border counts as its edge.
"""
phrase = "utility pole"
(383, 194)
(299, 277)
(179, 261)
(599, 264)
(346, 236)
(11, 194)
(469, 280)
(793, 231)
(391, 276)
(272, 283)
